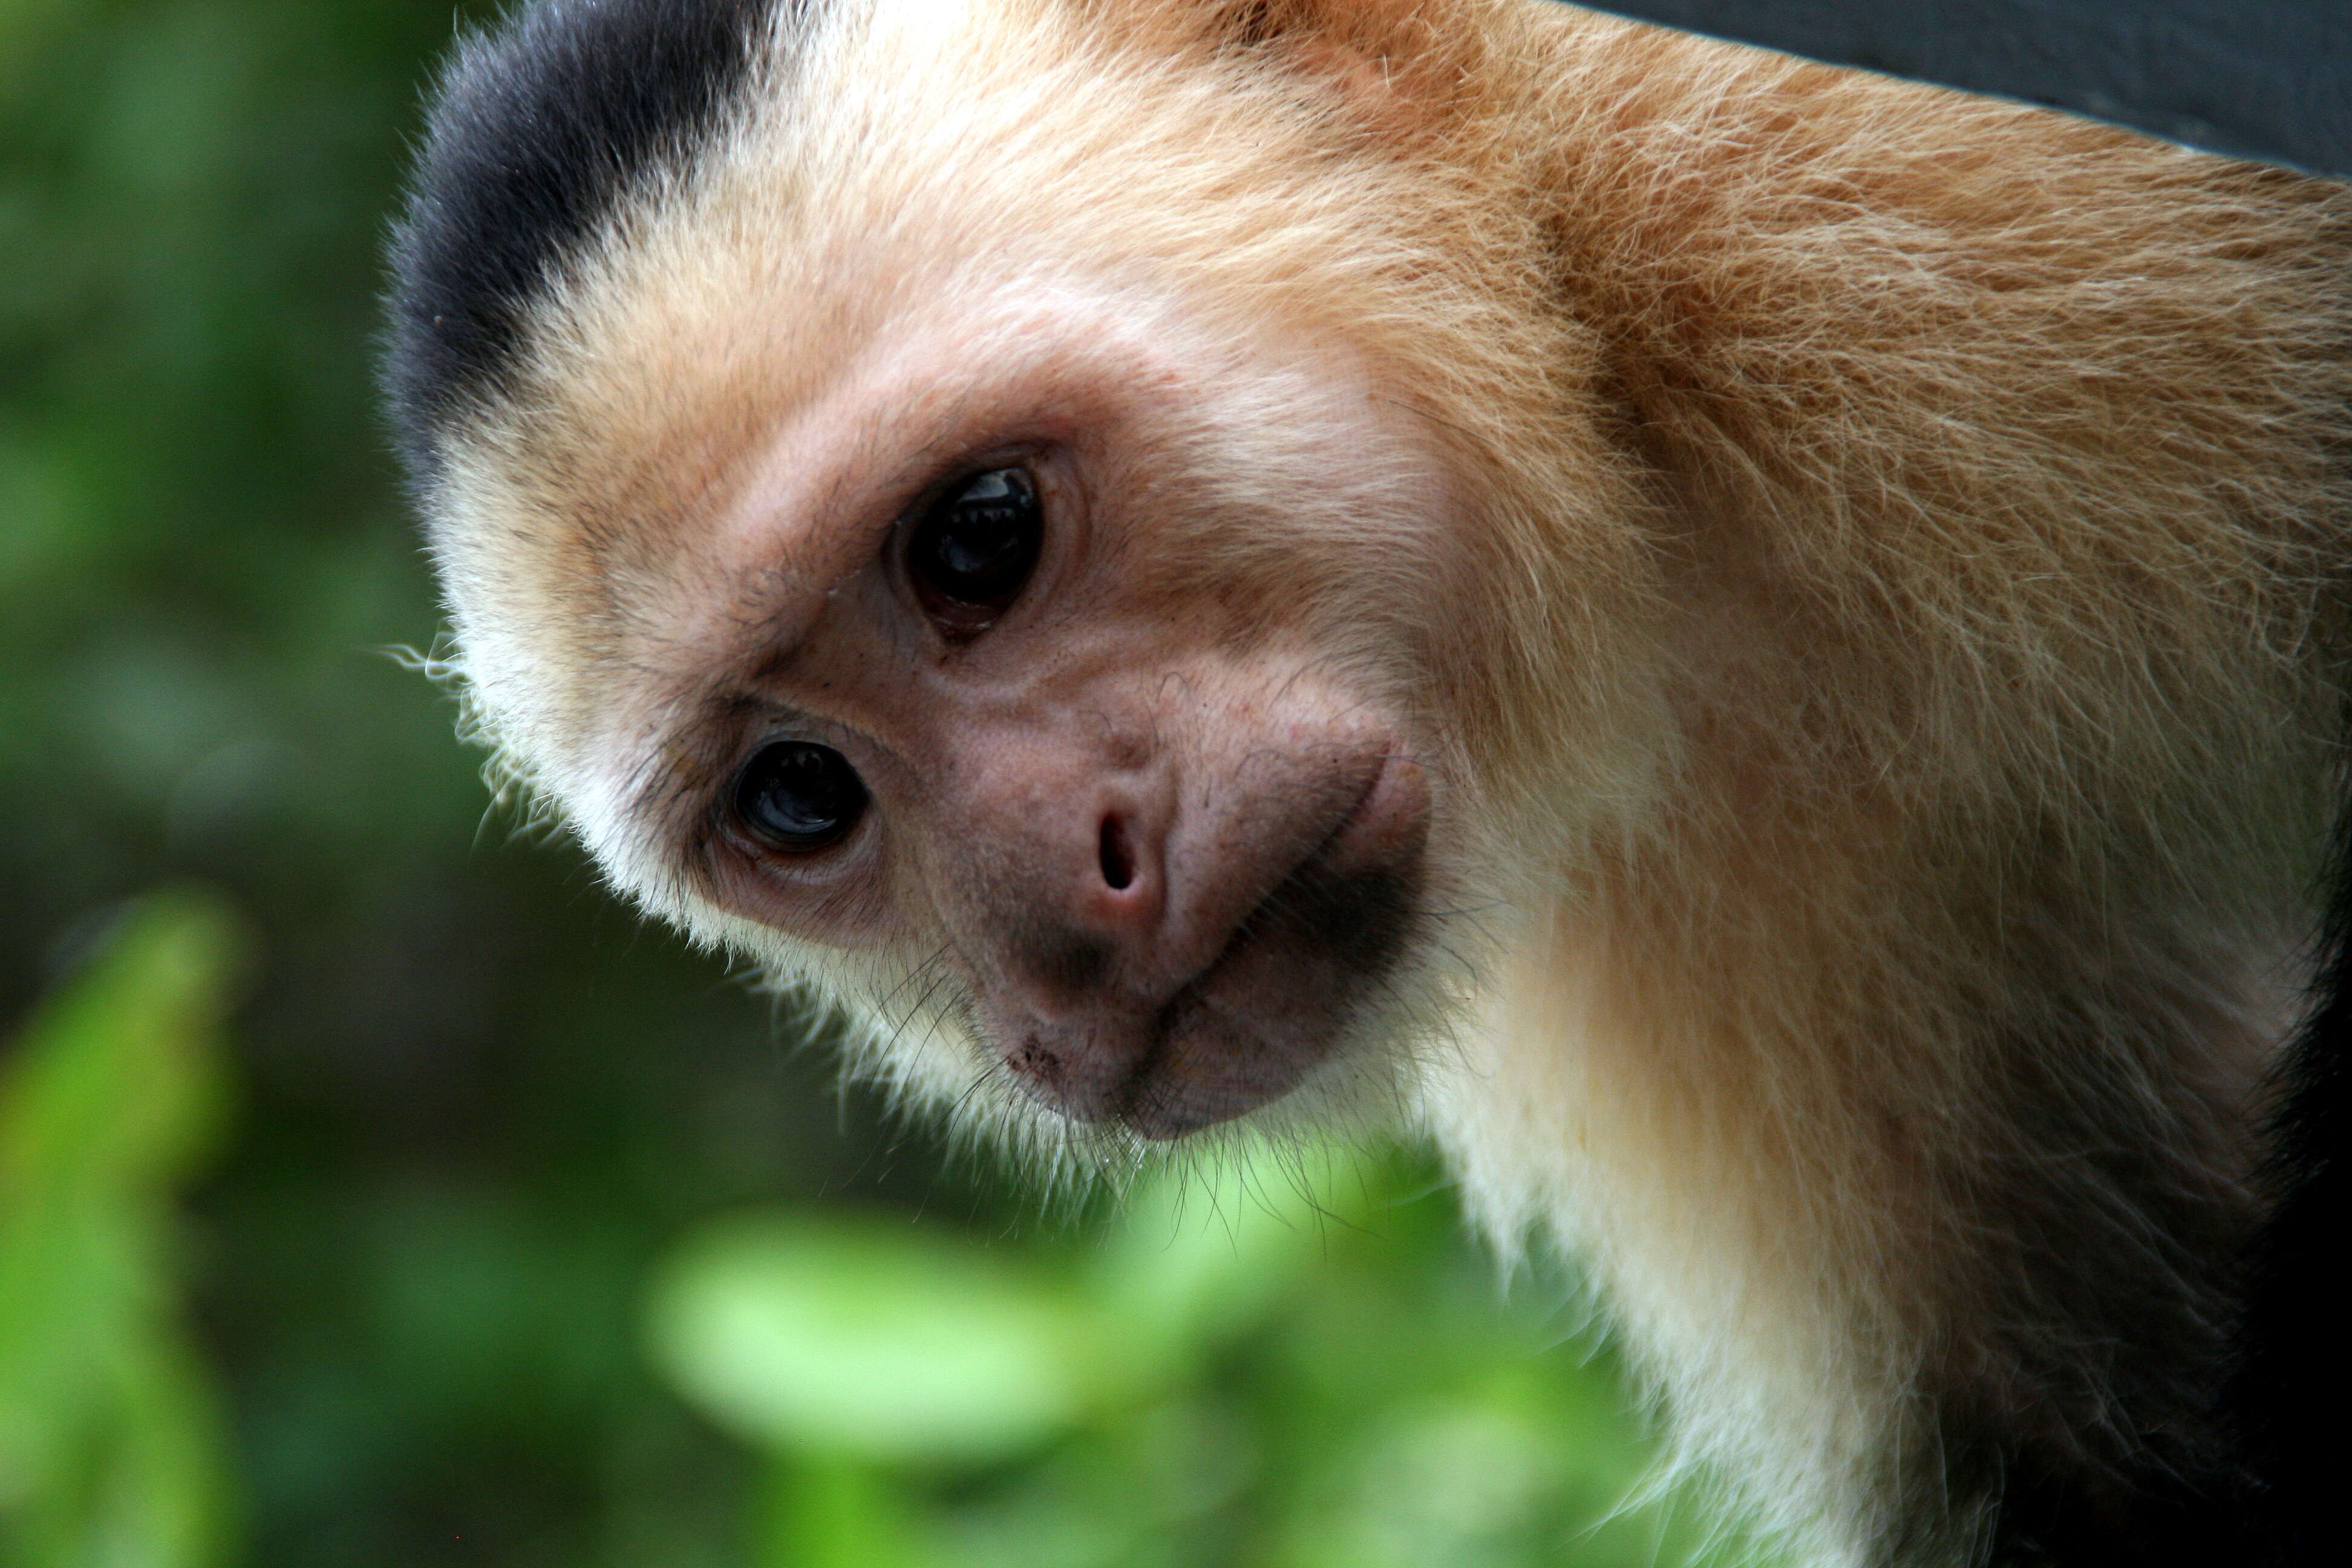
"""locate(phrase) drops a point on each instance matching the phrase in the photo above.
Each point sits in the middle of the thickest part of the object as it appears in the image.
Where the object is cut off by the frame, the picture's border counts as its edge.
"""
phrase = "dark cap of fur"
(538, 128)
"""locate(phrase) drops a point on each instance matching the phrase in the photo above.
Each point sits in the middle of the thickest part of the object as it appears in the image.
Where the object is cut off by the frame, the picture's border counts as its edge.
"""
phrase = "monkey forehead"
(895, 155)
(728, 577)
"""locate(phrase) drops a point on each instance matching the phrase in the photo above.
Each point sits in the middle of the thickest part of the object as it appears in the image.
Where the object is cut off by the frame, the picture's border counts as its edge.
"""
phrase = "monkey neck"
(1953, 1182)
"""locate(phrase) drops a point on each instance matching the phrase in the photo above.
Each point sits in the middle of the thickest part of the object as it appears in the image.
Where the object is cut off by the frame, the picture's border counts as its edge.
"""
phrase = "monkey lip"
(1276, 999)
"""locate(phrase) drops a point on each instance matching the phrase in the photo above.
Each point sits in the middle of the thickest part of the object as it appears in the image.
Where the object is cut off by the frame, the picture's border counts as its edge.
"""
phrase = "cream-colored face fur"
(1759, 648)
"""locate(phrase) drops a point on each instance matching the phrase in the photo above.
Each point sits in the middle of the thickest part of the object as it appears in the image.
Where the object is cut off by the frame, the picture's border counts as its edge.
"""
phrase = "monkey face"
(1157, 854)
(1012, 674)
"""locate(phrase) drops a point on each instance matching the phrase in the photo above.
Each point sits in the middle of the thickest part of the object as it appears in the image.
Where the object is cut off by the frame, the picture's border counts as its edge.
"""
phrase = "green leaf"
(886, 1343)
(109, 1442)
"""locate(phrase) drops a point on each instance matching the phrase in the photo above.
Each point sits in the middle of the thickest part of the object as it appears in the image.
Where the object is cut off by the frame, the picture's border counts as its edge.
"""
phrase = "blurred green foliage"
(111, 1451)
(483, 1112)
(1292, 1363)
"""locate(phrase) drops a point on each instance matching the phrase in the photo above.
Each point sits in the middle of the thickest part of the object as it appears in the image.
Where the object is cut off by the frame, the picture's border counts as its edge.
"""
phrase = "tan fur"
(1863, 556)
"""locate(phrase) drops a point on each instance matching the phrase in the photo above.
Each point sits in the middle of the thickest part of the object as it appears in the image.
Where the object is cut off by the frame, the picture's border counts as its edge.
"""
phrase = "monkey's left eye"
(799, 796)
(974, 549)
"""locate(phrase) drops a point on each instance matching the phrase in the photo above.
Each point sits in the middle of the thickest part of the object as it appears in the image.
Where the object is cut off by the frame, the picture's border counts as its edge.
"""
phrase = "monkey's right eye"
(799, 796)
(974, 549)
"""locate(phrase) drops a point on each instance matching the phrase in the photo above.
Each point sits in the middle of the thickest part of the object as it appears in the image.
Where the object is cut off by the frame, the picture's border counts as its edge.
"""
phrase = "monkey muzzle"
(1077, 1019)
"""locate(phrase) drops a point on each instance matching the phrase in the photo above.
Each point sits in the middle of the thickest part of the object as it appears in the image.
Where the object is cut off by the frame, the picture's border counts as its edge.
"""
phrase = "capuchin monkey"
(1760, 650)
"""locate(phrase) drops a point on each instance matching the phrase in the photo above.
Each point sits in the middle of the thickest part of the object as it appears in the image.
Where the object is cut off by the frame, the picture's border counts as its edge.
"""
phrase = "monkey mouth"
(1275, 1005)
(1276, 1001)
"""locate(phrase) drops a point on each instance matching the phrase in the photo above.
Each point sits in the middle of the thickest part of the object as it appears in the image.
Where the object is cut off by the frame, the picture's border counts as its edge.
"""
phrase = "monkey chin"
(1286, 990)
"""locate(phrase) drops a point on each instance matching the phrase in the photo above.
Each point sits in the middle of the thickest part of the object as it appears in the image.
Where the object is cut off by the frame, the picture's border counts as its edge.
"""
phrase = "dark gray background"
(2262, 79)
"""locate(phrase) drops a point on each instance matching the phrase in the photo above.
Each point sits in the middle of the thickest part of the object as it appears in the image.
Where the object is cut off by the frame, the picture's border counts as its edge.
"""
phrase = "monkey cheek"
(1389, 827)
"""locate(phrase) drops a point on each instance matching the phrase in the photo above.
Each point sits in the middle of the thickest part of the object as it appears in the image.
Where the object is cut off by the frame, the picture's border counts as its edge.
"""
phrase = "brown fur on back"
(1998, 457)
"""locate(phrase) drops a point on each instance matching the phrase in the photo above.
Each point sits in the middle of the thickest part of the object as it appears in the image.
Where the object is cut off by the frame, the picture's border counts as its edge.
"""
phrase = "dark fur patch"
(1362, 918)
(2295, 1372)
(538, 130)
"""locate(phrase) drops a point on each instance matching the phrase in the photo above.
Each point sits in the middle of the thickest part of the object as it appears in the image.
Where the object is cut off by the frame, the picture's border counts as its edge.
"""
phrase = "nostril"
(1117, 854)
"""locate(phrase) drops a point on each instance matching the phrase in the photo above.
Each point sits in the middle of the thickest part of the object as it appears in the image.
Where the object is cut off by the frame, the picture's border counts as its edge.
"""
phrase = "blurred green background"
(397, 1199)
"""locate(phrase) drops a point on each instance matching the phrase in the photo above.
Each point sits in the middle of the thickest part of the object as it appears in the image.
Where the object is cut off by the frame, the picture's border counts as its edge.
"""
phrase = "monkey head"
(1036, 559)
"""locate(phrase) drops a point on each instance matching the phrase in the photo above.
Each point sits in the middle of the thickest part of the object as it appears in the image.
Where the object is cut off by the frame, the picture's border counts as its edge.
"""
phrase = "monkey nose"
(1092, 946)
(1124, 896)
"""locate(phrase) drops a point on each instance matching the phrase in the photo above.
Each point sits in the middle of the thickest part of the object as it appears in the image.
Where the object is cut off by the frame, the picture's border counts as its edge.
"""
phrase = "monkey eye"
(973, 551)
(799, 796)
